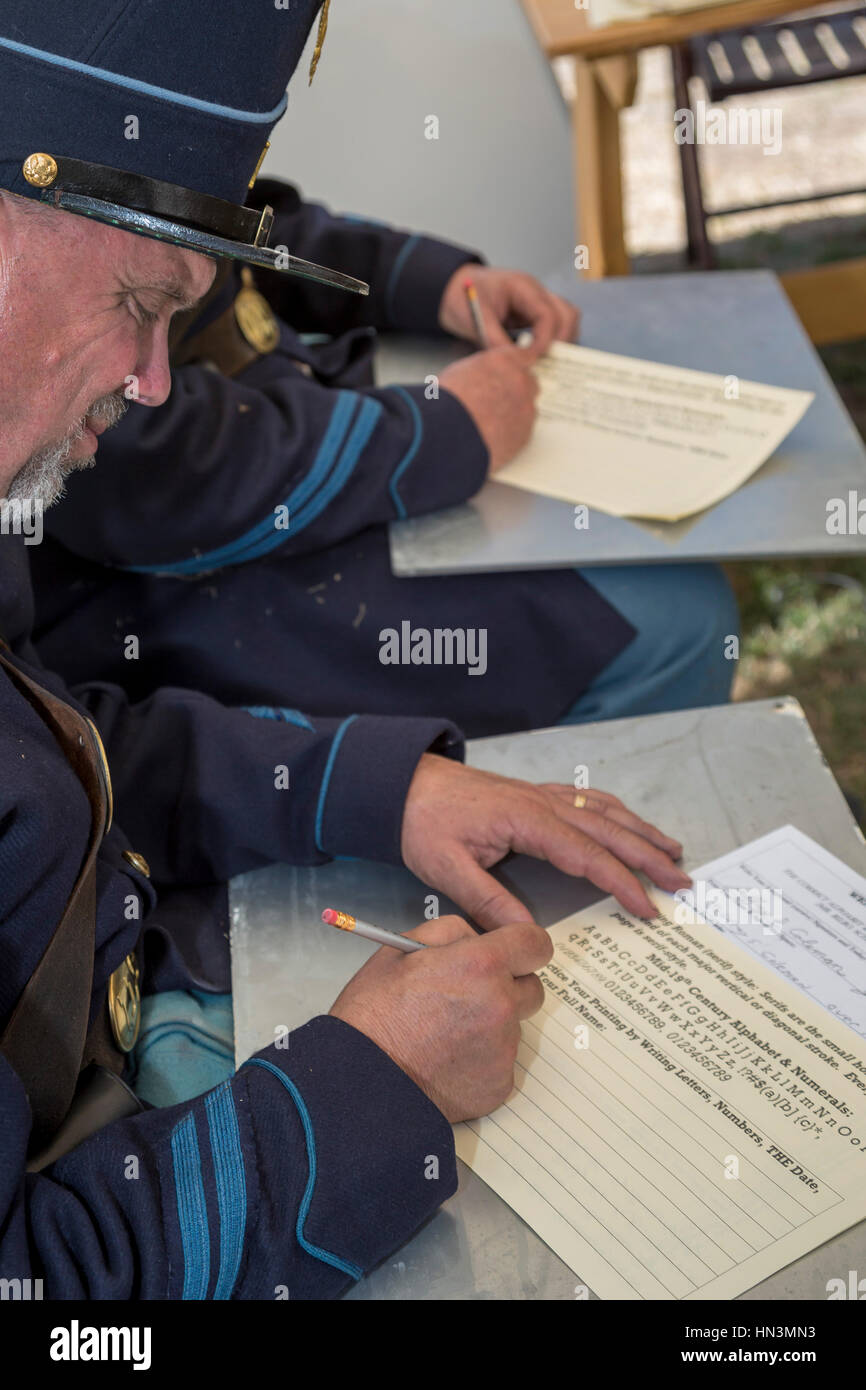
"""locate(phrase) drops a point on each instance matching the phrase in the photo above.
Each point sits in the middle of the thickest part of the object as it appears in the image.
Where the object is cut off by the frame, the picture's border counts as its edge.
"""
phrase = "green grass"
(805, 636)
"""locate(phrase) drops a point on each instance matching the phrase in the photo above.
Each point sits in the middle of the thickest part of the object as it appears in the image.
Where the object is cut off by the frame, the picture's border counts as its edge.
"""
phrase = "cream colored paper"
(602, 12)
(672, 1149)
(642, 439)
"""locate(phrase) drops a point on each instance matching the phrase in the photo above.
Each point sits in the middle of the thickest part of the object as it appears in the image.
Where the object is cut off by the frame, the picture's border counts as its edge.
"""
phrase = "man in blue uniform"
(257, 568)
(278, 1180)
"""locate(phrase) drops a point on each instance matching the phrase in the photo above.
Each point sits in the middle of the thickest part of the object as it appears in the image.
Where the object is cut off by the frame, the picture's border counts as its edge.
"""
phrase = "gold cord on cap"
(320, 39)
(252, 182)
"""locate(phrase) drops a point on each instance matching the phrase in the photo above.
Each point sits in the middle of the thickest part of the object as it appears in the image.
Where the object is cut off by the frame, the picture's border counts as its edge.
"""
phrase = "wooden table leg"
(604, 87)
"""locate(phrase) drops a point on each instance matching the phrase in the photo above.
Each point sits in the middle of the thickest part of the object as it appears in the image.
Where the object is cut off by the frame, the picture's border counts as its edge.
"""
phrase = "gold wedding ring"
(579, 801)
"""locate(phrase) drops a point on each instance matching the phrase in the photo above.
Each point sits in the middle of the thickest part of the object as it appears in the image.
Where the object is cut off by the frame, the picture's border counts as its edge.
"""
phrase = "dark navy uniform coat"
(245, 521)
(308, 1167)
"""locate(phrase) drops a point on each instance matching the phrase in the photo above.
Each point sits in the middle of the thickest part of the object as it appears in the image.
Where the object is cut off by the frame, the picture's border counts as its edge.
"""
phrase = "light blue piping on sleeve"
(329, 767)
(363, 221)
(412, 451)
(264, 531)
(191, 1209)
(397, 271)
(352, 1270)
(228, 1162)
(286, 716)
(133, 84)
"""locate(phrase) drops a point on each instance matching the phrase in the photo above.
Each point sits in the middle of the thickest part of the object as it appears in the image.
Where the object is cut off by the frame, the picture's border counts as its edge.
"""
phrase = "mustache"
(42, 476)
(108, 410)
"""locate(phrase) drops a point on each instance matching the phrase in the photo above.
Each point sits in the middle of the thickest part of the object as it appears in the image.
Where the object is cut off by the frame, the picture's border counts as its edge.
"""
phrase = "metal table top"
(715, 778)
(731, 322)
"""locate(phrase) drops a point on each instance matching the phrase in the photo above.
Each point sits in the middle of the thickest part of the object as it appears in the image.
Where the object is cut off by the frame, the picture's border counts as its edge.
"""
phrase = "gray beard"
(43, 477)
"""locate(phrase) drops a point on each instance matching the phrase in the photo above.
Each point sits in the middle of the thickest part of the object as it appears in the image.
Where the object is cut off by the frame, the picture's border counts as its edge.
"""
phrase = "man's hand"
(507, 299)
(450, 1016)
(498, 389)
(459, 822)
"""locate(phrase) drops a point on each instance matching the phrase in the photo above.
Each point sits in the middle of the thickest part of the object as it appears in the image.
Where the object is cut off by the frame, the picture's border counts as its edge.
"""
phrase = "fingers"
(550, 837)
(632, 848)
(529, 994)
(506, 357)
(551, 317)
(520, 298)
(603, 803)
(567, 320)
(441, 931)
(494, 330)
(531, 351)
(531, 302)
(481, 897)
(621, 815)
(521, 948)
(523, 358)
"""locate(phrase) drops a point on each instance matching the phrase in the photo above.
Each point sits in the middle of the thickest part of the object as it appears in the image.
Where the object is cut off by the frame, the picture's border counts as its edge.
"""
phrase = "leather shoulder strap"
(45, 1036)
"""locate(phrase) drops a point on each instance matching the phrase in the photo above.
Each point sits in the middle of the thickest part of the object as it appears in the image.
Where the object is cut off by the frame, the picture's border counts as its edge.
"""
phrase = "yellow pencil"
(475, 309)
(346, 922)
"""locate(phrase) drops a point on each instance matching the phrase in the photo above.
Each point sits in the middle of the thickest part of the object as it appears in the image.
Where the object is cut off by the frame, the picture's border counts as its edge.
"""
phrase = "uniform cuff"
(448, 460)
(419, 275)
(363, 795)
(380, 1154)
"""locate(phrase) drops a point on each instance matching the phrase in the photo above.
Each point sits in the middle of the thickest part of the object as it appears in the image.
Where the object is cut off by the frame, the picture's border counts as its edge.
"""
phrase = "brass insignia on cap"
(255, 317)
(124, 1003)
(40, 170)
(320, 39)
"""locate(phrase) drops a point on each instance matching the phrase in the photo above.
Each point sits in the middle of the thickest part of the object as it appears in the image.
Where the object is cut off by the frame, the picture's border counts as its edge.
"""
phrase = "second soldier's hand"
(458, 822)
(507, 299)
(498, 390)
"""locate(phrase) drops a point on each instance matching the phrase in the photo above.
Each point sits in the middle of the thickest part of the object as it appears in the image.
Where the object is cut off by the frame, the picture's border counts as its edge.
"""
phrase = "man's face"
(84, 316)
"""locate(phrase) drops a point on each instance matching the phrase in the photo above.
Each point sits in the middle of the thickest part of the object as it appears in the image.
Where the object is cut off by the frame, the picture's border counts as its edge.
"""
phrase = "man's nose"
(153, 373)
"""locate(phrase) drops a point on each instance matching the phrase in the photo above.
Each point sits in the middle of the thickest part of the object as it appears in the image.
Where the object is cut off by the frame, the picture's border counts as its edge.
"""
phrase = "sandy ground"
(823, 147)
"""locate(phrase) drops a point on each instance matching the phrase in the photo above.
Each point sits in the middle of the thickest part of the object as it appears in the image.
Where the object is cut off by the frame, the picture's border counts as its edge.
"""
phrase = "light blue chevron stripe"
(191, 1209)
(133, 84)
(264, 532)
(228, 1162)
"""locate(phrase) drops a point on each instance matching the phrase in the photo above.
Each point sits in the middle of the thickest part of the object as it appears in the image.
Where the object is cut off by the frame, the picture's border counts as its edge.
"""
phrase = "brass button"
(124, 1003)
(137, 861)
(40, 170)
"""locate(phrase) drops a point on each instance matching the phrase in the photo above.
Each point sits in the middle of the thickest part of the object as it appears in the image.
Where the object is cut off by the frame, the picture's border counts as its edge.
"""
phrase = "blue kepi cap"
(154, 115)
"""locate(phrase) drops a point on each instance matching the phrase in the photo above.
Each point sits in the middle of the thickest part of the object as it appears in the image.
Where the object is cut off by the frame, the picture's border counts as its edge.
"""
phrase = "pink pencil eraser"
(329, 916)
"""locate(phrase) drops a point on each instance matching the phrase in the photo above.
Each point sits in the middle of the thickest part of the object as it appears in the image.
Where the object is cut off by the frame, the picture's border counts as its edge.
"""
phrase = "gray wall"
(499, 177)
